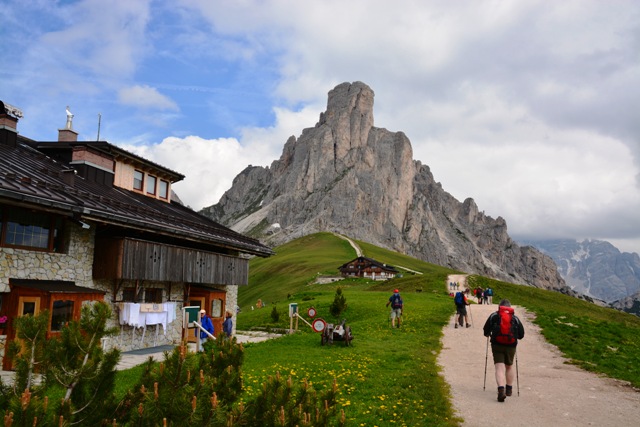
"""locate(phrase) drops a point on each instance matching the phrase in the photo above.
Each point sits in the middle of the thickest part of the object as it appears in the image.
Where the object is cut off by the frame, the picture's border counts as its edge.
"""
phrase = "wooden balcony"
(132, 259)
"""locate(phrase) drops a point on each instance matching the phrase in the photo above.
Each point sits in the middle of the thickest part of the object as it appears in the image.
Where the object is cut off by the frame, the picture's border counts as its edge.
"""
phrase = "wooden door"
(27, 306)
(217, 307)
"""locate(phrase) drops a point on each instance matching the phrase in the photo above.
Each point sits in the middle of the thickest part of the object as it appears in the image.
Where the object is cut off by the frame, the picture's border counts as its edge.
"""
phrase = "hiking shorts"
(461, 309)
(396, 313)
(503, 354)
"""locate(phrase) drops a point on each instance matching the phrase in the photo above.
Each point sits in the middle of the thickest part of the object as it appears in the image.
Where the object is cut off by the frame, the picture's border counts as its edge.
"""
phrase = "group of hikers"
(502, 328)
(207, 325)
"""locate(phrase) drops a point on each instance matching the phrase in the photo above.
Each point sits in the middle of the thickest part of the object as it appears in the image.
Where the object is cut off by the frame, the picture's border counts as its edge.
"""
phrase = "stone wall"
(75, 265)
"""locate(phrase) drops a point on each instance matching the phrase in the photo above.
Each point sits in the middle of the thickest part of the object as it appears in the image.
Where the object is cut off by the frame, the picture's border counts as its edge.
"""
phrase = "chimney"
(9, 116)
(68, 134)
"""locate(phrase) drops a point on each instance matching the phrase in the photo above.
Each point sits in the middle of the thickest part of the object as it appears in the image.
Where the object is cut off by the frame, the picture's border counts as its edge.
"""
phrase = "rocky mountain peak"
(344, 175)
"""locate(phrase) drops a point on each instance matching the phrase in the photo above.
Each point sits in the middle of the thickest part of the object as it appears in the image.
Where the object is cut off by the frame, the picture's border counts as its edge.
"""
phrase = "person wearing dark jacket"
(227, 325)
(207, 325)
(505, 329)
(396, 307)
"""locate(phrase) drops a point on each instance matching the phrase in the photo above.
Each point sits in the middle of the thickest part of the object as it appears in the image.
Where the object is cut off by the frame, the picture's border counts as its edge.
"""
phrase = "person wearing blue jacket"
(227, 325)
(207, 324)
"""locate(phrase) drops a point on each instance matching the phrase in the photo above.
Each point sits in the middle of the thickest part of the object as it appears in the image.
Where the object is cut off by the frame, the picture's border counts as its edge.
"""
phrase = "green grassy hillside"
(389, 376)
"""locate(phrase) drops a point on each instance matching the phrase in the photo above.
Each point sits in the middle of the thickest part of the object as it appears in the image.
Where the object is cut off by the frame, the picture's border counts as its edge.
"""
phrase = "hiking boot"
(509, 390)
(501, 394)
(468, 325)
(456, 326)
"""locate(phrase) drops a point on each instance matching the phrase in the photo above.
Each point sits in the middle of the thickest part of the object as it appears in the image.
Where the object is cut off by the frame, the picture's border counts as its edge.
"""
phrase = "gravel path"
(552, 392)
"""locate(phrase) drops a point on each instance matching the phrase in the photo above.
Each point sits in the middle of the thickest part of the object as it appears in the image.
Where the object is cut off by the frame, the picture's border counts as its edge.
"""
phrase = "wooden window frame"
(151, 191)
(163, 194)
(135, 179)
(55, 238)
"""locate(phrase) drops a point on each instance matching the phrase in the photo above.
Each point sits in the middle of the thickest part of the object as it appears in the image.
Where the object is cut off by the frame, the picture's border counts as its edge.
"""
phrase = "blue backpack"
(459, 298)
(397, 301)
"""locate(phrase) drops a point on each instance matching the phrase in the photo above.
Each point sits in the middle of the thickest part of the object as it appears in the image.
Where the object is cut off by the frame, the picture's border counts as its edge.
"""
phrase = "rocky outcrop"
(347, 176)
(630, 304)
(594, 267)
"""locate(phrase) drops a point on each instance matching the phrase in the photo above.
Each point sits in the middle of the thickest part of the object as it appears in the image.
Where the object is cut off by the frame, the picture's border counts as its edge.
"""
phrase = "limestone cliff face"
(347, 176)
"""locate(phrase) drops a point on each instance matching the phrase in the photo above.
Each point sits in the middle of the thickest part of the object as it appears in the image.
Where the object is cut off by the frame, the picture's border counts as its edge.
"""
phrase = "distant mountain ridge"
(598, 269)
(344, 175)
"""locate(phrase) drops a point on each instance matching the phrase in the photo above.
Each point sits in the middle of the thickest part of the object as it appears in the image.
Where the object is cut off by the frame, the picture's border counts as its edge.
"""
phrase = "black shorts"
(461, 309)
(503, 354)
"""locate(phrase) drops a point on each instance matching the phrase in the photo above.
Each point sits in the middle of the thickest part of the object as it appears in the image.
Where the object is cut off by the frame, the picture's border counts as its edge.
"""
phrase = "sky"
(530, 107)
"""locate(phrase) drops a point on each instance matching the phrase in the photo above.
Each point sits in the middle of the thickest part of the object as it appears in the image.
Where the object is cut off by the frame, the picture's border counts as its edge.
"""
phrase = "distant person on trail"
(461, 309)
(485, 296)
(489, 294)
(505, 329)
(396, 307)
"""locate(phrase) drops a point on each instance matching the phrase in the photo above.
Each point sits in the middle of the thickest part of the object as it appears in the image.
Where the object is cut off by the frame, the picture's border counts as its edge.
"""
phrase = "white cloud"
(145, 97)
(211, 164)
(529, 107)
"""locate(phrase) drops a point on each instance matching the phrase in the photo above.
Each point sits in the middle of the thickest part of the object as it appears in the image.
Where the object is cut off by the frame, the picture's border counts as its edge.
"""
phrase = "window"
(216, 308)
(153, 295)
(61, 314)
(151, 184)
(138, 178)
(27, 229)
(129, 294)
(163, 189)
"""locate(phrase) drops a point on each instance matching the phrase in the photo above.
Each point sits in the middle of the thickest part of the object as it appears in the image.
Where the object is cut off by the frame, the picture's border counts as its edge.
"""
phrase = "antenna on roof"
(99, 120)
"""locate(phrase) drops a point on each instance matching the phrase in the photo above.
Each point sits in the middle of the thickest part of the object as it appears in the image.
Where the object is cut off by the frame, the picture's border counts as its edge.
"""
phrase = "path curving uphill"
(552, 392)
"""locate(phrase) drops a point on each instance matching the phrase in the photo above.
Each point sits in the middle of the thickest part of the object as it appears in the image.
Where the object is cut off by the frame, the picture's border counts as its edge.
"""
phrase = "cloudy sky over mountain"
(531, 107)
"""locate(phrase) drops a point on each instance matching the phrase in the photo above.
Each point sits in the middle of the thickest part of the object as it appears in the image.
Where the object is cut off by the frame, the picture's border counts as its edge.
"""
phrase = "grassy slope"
(390, 376)
(387, 376)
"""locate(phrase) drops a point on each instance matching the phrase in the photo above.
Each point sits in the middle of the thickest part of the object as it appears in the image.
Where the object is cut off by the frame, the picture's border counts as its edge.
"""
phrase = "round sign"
(318, 325)
(311, 312)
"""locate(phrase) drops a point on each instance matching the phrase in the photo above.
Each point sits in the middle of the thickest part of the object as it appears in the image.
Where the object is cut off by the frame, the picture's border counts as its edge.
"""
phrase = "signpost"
(293, 312)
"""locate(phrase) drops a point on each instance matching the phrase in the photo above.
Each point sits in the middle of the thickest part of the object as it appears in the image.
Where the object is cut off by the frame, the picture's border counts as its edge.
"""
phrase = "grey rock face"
(347, 176)
(594, 267)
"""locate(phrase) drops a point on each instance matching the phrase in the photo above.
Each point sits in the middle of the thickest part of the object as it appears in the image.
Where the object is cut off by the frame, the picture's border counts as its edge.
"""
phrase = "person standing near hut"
(207, 325)
(227, 325)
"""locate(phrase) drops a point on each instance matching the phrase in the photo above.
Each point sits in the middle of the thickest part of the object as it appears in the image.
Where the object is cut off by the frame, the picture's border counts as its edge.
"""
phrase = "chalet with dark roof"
(89, 221)
(368, 268)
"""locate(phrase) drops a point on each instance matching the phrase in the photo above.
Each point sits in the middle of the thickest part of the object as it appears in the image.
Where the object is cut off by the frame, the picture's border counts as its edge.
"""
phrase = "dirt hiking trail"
(552, 392)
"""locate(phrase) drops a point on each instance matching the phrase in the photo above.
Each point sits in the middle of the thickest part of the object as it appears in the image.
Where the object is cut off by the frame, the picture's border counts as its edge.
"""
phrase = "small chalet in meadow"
(88, 221)
(367, 268)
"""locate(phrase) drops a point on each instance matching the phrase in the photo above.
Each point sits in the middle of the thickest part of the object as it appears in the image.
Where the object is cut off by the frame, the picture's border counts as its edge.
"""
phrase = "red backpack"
(504, 331)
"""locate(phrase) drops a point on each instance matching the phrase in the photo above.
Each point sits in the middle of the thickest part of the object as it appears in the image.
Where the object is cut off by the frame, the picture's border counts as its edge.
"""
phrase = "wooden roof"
(31, 179)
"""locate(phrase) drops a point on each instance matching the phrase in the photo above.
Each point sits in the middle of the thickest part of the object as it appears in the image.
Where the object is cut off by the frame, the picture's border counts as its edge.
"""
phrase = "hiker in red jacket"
(505, 329)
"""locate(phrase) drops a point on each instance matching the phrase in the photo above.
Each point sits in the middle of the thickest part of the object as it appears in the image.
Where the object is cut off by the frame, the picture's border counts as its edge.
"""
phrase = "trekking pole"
(517, 375)
(471, 316)
(486, 357)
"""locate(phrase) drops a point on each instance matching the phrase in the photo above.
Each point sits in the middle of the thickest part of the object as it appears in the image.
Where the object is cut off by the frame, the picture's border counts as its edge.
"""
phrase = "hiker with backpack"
(489, 294)
(396, 307)
(505, 329)
(461, 309)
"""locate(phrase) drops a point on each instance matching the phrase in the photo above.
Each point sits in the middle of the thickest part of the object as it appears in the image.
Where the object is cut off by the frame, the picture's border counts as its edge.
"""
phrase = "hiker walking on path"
(396, 307)
(505, 329)
(489, 294)
(461, 309)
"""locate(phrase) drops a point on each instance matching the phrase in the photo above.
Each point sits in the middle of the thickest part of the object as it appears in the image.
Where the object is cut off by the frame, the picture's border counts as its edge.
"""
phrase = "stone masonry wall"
(76, 265)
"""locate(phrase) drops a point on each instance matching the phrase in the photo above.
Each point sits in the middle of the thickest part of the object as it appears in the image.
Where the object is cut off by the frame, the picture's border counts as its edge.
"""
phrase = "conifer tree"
(339, 304)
